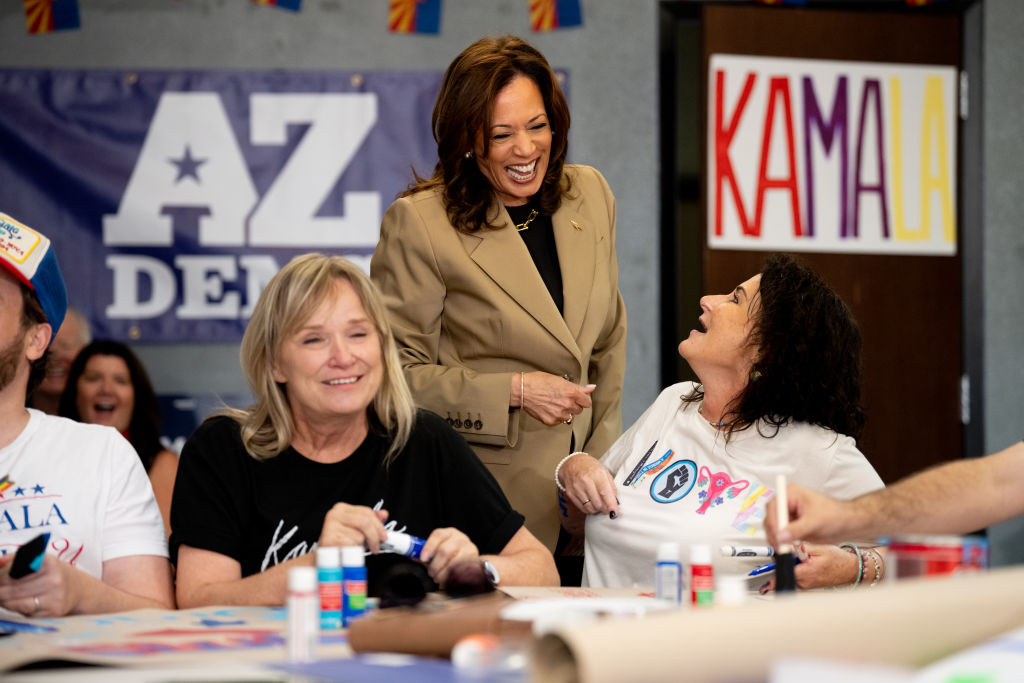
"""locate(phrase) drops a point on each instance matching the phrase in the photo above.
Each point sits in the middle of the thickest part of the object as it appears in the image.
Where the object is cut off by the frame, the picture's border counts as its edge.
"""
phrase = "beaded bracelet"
(860, 561)
(559, 466)
(877, 560)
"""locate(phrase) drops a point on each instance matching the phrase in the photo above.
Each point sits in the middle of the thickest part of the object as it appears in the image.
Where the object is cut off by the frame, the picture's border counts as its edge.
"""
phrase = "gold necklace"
(526, 224)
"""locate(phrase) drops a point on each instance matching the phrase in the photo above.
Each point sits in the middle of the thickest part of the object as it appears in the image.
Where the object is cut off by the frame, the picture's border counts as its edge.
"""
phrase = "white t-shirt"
(678, 480)
(85, 485)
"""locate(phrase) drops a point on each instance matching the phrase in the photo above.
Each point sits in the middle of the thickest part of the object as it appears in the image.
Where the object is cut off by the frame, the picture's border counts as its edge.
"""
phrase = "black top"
(540, 241)
(262, 513)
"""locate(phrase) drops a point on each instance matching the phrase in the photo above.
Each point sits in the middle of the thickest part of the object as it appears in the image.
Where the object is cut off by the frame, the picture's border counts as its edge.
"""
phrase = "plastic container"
(353, 579)
(328, 574)
(702, 578)
(303, 614)
(914, 556)
(668, 574)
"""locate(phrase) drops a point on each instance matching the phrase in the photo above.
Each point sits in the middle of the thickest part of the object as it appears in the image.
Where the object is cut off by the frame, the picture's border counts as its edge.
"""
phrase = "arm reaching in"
(956, 497)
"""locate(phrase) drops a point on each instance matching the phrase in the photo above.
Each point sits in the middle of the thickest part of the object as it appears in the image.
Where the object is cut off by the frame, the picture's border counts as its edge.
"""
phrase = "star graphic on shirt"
(37, 488)
(19, 491)
(188, 166)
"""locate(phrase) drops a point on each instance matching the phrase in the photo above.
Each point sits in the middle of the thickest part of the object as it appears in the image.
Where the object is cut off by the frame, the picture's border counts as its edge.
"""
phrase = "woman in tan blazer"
(500, 275)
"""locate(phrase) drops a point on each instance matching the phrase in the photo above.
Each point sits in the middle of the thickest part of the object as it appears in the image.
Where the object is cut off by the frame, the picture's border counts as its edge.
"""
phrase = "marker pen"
(770, 567)
(747, 551)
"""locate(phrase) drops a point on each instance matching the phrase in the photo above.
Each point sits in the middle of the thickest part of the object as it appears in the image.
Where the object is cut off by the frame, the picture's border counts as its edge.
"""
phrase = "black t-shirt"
(262, 513)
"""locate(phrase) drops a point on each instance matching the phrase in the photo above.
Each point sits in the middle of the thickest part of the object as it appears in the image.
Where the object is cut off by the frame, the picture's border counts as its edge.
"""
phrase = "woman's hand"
(347, 524)
(549, 398)
(444, 548)
(589, 485)
(822, 566)
(43, 593)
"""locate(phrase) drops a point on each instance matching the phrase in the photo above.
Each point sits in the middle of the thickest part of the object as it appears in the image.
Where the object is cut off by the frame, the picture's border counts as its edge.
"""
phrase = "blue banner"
(173, 196)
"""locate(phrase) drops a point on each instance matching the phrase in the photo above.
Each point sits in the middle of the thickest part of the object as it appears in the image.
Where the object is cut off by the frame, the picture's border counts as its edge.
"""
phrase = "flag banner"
(172, 197)
(548, 15)
(46, 16)
(831, 156)
(415, 16)
(293, 5)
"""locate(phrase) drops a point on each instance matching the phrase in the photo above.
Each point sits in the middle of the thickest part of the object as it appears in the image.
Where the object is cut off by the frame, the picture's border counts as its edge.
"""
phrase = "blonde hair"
(286, 304)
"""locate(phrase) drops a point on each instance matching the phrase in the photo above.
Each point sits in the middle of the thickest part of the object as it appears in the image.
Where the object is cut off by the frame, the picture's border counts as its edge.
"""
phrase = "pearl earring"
(469, 155)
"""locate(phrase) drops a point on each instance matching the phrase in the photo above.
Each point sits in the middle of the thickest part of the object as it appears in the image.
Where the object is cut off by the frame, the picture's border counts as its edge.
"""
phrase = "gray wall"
(613, 81)
(612, 64)
(1003, 270)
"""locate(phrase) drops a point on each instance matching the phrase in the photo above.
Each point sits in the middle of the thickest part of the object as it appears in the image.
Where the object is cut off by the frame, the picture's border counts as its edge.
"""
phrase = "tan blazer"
(469, 311)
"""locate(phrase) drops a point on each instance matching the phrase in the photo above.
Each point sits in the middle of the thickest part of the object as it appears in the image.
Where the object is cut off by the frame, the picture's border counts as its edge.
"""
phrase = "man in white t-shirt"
(83, 485)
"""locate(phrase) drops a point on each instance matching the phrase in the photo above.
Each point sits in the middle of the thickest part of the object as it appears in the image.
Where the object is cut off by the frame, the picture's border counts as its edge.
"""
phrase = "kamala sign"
(830, 156)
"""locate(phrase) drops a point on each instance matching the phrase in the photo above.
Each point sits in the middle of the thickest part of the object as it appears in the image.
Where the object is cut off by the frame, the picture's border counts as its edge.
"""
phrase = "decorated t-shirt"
(678, 479)
(85, 485)
(262, 513)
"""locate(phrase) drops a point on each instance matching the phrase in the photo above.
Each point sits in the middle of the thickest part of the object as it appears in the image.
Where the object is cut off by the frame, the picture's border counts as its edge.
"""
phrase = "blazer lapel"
(576, 245)
(506, 260)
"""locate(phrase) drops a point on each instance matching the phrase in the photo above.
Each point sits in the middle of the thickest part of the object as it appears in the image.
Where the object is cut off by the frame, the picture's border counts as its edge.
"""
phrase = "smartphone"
(29, 557)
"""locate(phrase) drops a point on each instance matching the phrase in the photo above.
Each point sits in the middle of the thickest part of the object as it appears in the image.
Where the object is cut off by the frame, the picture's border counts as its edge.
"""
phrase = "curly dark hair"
(808, 367)
(463, 109)
(144, 428)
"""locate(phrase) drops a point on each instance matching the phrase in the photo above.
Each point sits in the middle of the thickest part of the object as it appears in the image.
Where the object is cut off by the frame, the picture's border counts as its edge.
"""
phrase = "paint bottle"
(353, 580)
(303, 614)
(403, 544)
(702, 581)
(328, 575)
(668, 574)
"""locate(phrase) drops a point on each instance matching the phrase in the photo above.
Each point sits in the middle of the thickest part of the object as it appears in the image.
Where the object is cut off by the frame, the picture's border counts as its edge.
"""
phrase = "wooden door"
(908, 307)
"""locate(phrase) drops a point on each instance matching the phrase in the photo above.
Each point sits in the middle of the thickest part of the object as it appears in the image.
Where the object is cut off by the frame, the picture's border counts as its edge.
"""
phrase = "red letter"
(778, 87)
(723, 138)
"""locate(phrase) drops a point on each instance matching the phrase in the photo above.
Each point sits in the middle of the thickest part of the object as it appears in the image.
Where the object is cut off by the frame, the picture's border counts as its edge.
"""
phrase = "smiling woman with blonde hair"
(332, 453)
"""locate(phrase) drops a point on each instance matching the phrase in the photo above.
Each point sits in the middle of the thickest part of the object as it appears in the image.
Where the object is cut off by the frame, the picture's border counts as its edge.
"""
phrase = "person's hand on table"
(347, 524)
(589, 485)
(42, 593)
(552, 399)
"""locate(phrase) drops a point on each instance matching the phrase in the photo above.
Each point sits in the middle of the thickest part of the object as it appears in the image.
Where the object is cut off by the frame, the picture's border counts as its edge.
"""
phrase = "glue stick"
(403, 544)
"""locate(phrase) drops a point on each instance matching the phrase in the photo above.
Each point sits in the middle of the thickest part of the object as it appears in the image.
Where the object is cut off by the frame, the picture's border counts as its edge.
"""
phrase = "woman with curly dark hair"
(778, 360)
(500, 277)
(108, 385)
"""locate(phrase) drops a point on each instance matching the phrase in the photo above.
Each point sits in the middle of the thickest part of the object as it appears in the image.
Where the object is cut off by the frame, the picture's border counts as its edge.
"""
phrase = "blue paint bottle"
(353, 580)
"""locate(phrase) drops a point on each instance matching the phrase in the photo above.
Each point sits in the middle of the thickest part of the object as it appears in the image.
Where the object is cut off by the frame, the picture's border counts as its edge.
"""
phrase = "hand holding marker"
(785, 578)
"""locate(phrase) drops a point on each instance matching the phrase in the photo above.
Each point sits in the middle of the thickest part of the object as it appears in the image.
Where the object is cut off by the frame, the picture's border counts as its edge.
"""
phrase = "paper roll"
(910, 623)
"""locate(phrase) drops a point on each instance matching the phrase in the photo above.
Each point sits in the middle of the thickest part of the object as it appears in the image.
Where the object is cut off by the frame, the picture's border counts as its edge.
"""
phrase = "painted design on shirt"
(636, 470)
(652, 469)
(675, 482)
(715, 488)
(5, 484)
(751, 515)
(31, 507)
